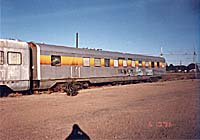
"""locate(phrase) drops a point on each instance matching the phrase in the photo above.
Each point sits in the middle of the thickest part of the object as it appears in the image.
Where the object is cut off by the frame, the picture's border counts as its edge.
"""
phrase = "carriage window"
(133, 63)
(146, 64)
(158, 64)
(124, 63)
(163, 65)
(140, 63)
(116, 64)
(107, 62)
(1, 57)
(14, 58)
(97, 62)
(152, 64)
(86, 62)
(55, 60)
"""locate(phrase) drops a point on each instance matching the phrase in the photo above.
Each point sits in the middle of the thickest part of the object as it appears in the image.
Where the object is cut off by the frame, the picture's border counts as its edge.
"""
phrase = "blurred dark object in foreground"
(77, 134)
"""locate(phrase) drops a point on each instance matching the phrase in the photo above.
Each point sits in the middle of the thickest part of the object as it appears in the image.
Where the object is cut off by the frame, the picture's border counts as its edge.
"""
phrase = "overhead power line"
(177, 54)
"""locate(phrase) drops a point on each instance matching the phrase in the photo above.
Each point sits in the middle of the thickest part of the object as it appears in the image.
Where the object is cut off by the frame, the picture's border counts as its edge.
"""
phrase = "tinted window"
(158, 64)
(1, 58)
(152, 64)
(107, 62)
(140, 63)
(55, 60)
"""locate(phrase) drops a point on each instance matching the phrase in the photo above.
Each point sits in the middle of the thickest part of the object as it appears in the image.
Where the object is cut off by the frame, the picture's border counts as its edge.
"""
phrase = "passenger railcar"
(14, 65)
(37, 66)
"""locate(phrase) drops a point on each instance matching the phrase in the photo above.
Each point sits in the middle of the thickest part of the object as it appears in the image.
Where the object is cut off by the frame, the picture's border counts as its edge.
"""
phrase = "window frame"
(158, 64)
(1, 57)
(163, 65)
(139, 63)
(152, 64)
(146, 64)
(116, 63)
(99, 59)
(84, 62)
(59, 64)
(15, 53)
(105, 62)
(133, 63)
(124, 63)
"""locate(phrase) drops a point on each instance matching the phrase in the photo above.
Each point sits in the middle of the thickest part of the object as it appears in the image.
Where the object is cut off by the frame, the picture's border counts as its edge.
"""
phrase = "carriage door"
(35, 65)
(75, 71)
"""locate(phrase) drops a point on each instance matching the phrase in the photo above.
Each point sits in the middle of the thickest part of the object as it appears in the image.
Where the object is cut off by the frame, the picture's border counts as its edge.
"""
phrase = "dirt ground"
(161, 110)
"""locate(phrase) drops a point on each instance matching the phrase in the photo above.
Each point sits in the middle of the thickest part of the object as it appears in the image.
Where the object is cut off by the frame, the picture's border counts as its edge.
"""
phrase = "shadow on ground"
(77, 134)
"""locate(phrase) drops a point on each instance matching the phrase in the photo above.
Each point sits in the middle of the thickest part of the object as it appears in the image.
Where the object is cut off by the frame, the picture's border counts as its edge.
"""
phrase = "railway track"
(73, 88)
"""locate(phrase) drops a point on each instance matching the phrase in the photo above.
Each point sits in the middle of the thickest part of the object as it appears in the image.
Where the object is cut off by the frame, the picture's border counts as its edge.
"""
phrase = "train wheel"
(1, 93)
(71, 89)
(85, 85)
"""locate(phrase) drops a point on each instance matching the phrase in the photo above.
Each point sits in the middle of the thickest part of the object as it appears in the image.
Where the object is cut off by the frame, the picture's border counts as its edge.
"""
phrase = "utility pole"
(195, 61)
(77, 40)
(161, 52)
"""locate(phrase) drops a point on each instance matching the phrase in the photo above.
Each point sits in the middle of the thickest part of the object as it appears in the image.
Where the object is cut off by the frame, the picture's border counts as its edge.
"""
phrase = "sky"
(133, 26)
